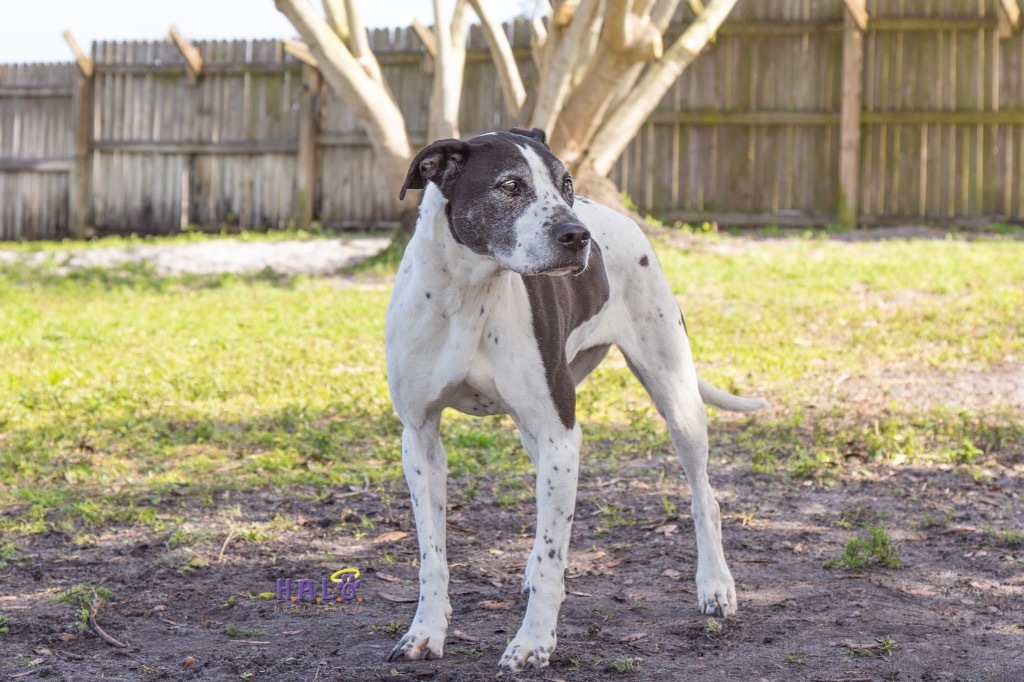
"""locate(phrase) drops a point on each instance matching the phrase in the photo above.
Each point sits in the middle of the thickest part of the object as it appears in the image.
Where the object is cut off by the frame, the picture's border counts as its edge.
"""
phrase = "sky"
(31, 31)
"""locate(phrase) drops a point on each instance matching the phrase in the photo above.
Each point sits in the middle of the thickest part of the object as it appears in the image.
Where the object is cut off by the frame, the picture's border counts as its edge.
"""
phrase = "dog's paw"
(420, 642)
(716, 593)
(528, 650)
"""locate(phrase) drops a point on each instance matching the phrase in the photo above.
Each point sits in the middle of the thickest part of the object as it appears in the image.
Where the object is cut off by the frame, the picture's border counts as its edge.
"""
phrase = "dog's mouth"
(563, 271)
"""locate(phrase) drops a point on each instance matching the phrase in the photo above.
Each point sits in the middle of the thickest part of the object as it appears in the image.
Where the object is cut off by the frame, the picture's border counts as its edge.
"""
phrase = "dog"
(510, 292)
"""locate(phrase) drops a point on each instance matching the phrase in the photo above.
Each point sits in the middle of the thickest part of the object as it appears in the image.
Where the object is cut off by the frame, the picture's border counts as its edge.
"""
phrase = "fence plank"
(760, 128)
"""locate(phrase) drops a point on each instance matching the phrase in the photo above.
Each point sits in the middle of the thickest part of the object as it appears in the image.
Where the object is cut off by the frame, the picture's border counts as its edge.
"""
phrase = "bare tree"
(602, 69)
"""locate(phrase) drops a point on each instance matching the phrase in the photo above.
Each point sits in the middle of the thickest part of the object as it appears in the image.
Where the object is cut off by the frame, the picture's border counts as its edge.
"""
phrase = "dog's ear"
(435, 161)
(536, 134)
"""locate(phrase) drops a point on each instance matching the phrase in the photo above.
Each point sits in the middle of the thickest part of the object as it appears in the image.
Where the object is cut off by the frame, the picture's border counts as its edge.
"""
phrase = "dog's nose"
(572, 235)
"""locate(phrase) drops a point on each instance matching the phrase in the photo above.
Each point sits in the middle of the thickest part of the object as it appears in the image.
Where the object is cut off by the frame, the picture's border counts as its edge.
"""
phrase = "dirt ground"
(954, 610)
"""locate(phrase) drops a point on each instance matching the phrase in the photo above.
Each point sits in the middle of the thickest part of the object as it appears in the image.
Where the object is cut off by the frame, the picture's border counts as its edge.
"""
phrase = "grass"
(861, 552)
(127, 398)
(235, 632)
(627, 664)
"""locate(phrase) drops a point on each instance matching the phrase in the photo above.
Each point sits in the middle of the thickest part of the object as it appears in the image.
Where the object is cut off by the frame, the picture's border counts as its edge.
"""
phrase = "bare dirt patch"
(953, 610)
(311, 257)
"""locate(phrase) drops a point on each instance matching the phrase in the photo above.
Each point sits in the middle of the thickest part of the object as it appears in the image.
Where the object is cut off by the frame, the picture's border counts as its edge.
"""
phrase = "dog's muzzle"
(573, 250)
(572, 235)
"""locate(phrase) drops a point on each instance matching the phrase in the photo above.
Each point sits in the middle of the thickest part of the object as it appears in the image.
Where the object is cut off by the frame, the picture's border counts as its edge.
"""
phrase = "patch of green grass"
(882, 648)
(857, 515)
(394, 627)
(627, 664)
(131, 399)
(615, 515)
(82, 595)
(861, 552)
(1005, 537)
(930, 520)
(235, 632)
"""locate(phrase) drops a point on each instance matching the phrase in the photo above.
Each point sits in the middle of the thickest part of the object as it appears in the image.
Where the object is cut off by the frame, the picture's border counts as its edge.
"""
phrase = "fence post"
(80, 182)
(854, 25)
(305, 175)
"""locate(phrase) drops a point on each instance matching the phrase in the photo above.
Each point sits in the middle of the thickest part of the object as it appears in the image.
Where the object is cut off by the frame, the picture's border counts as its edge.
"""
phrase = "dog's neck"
(436, 245)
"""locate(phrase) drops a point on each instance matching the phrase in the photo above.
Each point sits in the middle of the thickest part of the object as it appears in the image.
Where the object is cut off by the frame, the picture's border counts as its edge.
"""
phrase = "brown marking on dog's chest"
(558, 305)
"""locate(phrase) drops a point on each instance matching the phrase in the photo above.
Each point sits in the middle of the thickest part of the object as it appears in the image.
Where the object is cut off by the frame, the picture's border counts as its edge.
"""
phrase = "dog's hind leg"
(425, 465)
(661, 360)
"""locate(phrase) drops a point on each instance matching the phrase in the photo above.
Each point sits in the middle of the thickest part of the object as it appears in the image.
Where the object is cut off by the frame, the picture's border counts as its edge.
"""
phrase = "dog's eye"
(510, 186)
(567, 184)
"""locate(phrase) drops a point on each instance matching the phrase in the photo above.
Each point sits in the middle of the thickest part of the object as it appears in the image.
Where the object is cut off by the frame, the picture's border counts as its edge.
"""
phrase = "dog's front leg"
(557, 454)
(425, 465)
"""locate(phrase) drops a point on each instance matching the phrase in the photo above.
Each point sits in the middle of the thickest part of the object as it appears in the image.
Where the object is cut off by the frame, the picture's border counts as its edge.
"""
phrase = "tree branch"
(460, 34)
(628, 117)
(370, 101)
(538, 38)
(444, 102)
(337, 19)
(554, 85)
(663, 12)
(360, 44)
(512, 88)
(631, 33)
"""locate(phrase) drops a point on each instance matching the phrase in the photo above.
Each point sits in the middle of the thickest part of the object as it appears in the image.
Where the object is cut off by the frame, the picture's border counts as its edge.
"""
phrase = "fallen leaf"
(491, 605)
(613, 564)
(388, 577)
(189, 662)
(391, 536)
(798, 548)
(633, 637)
(671, 573)
(67, 637)
(42, 651)
(667, 529)
(292, 632)
(158, 608)
(462, 636)
(397, 599)
(579, 594)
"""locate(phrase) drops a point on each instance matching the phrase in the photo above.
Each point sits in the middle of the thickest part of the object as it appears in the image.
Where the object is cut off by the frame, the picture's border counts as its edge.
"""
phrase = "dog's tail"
(727, 401)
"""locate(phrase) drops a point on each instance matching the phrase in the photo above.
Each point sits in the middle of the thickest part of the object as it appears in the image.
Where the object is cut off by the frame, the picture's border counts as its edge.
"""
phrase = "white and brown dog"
(510, 293)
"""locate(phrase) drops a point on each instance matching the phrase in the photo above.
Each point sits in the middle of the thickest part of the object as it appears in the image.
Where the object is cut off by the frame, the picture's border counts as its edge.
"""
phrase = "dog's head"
(508, 198)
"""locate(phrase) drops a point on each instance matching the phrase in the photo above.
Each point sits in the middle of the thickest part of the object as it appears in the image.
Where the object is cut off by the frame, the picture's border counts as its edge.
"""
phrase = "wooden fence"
(795, 115)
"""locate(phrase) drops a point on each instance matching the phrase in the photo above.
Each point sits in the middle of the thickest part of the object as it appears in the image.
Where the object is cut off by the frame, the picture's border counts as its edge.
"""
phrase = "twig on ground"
(220, 557)
(100, 632)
